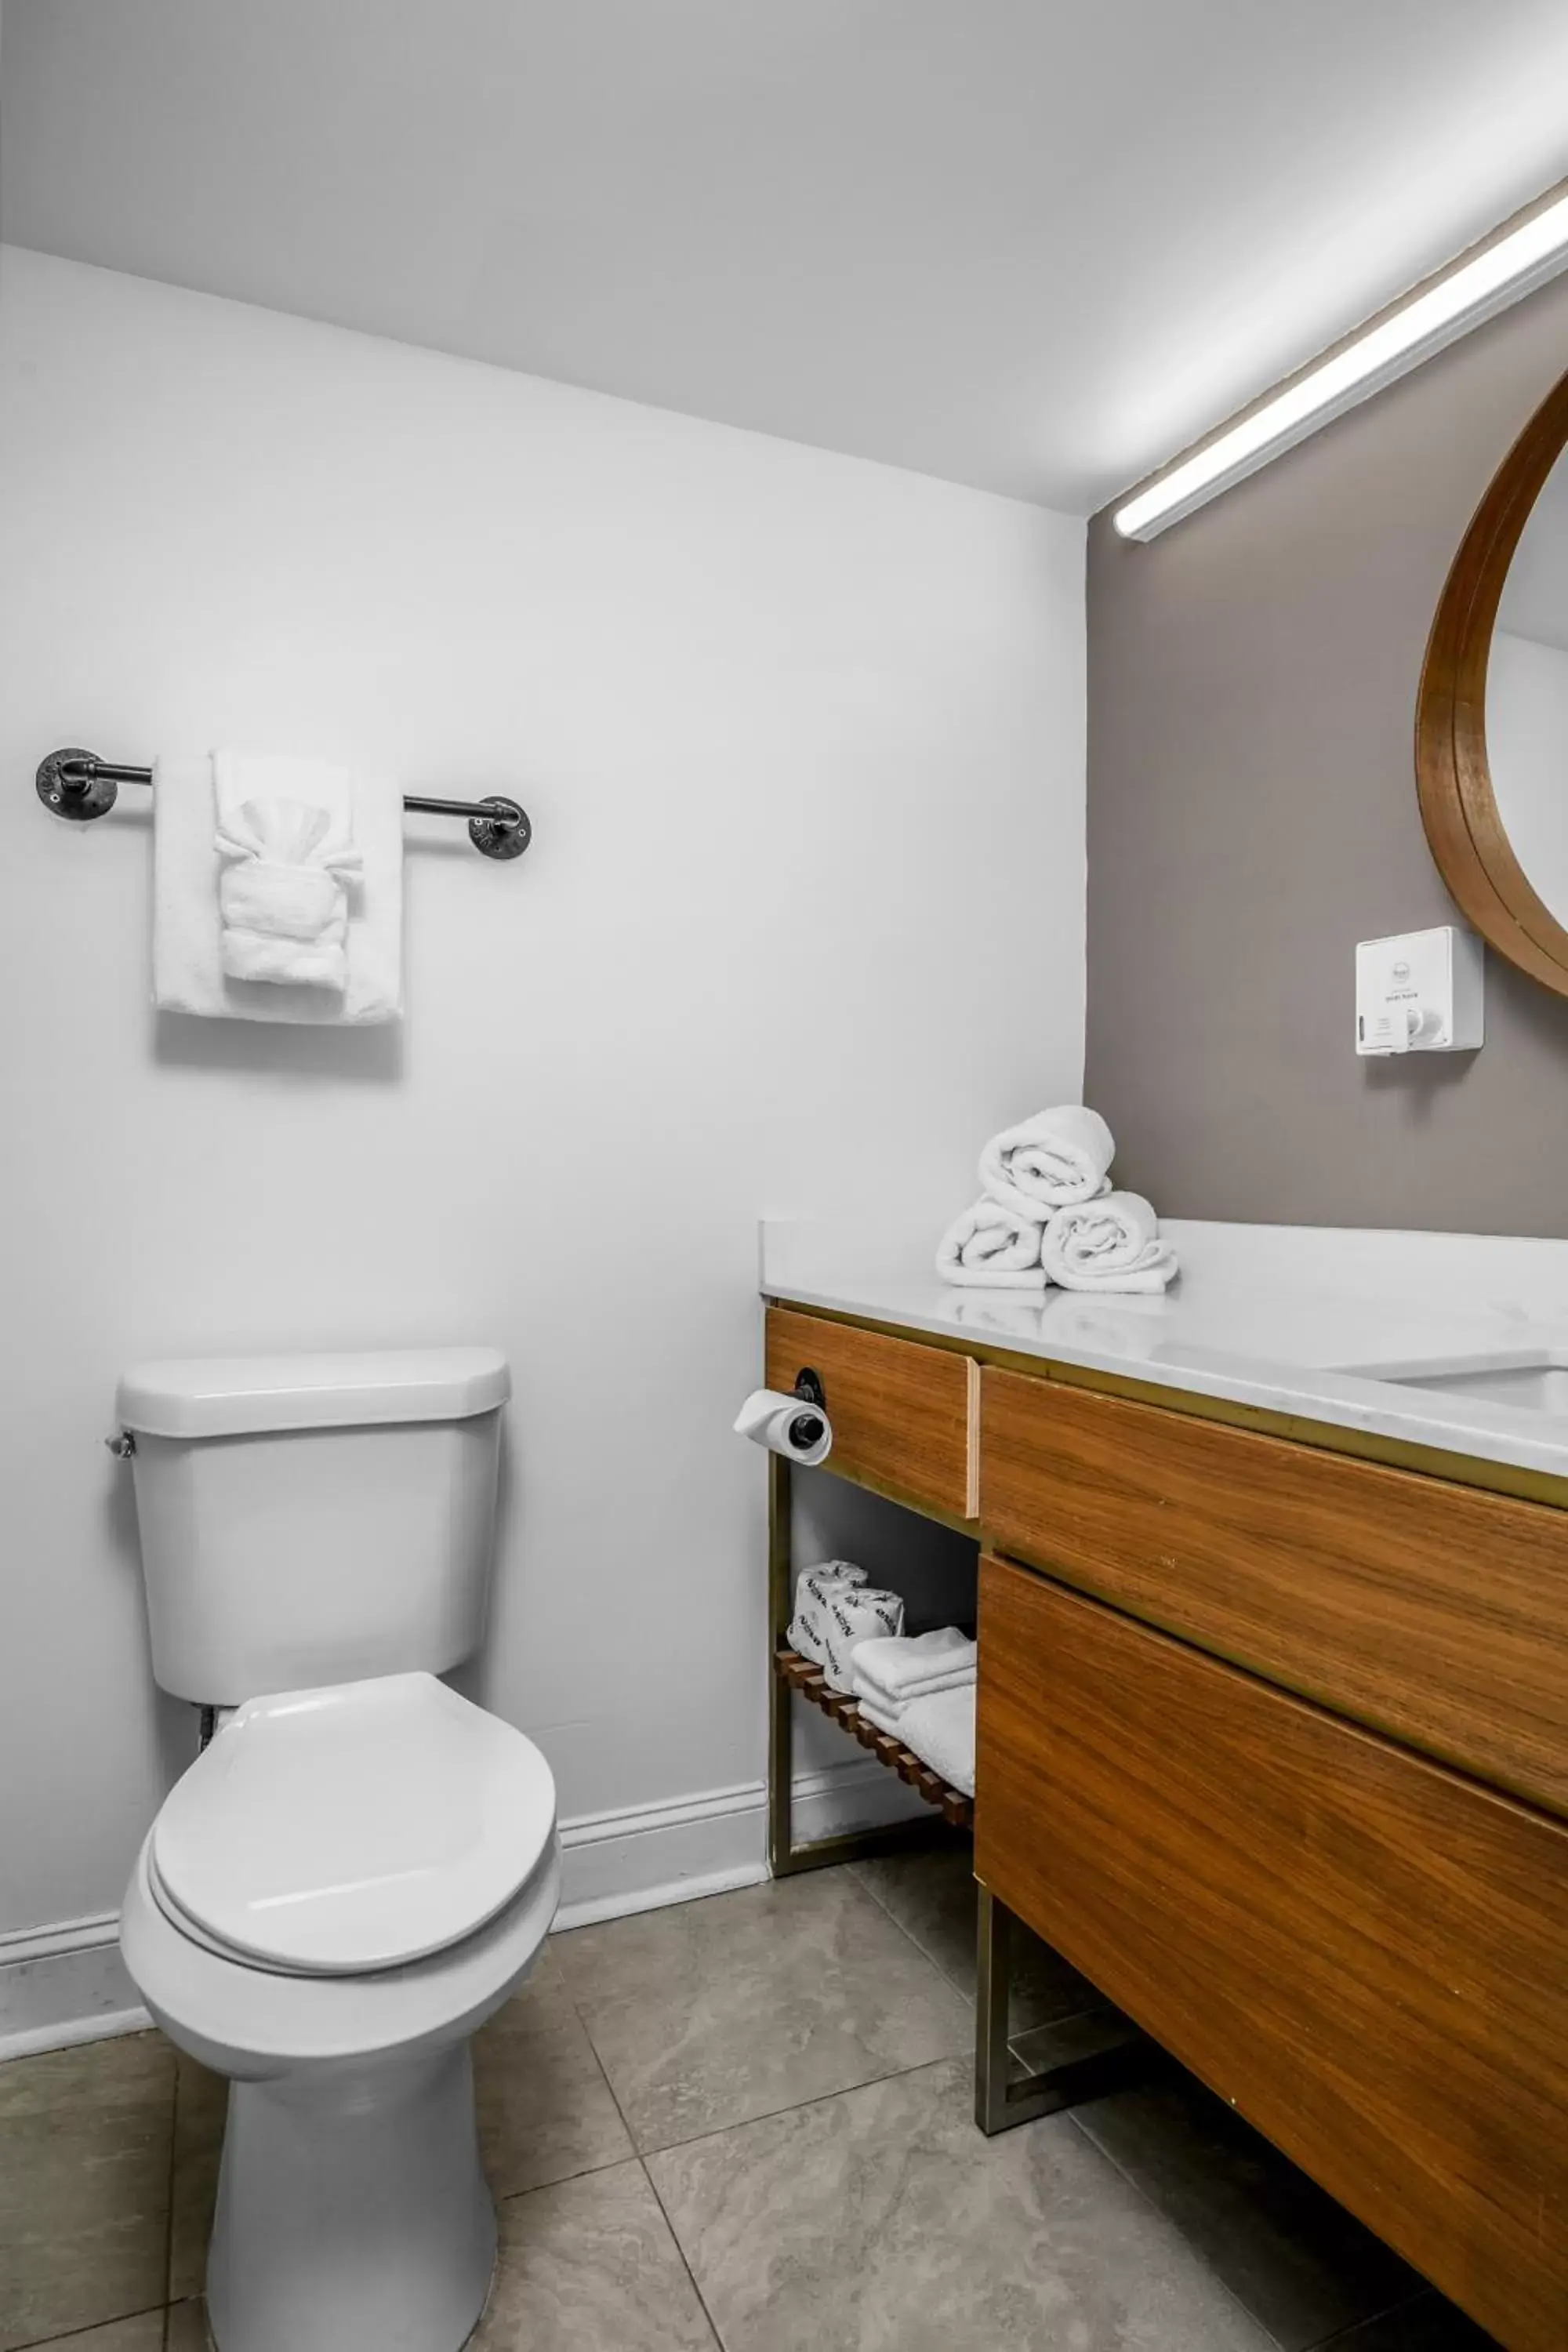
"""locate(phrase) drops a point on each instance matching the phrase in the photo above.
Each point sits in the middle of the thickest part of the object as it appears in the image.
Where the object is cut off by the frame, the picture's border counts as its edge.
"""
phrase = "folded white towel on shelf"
(939, 1727)
(992, 1247)
(1112, 1243)
(285, 838)
(808, 1632)
(884, 1718)
(190, 874)
(1049, 1161)
(888, 1711)
(860, 1614)
(889, 1675)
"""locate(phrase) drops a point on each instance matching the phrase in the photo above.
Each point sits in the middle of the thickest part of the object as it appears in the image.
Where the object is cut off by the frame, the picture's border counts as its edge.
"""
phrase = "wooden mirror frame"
(1453, 777)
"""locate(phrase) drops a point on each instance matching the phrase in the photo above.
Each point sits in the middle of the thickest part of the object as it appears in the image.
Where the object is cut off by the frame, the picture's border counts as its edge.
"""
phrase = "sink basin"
(1534, 1379)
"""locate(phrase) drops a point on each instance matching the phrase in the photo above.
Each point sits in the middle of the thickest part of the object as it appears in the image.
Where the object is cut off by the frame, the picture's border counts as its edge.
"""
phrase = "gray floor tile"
(1427, 2325)
(712, 2013)
(545, 2109)
(545, 2112)
(84, 2185)
(141, 2333)
(880, 2221)
(201, 2108)
(1298, 2260)
(589, 2265)
(933, 1897)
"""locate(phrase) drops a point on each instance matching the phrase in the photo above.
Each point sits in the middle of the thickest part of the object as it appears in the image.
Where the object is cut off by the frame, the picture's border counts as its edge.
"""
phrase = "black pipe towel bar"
(80, 785)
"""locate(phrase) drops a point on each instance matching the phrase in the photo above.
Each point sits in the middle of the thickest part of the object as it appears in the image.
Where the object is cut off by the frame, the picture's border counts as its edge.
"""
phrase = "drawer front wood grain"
(1366, 1953)
(904, 1417)
(1434, 1612)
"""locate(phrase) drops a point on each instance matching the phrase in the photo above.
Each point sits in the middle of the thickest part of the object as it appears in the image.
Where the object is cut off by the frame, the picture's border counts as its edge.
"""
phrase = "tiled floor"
(745, 2123)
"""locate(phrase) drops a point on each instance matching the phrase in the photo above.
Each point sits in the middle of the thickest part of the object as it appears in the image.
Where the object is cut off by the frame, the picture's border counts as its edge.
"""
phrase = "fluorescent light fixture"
(1513, 265)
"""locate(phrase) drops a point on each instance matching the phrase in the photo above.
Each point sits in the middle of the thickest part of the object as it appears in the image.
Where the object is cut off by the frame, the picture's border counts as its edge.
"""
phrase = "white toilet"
(362, 1865)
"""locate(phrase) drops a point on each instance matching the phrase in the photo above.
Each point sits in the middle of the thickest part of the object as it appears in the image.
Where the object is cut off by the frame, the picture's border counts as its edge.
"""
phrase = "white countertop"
(1326, 1324)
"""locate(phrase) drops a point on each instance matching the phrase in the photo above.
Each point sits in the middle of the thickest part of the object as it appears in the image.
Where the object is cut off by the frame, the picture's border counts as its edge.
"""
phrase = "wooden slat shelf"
(804, 1676)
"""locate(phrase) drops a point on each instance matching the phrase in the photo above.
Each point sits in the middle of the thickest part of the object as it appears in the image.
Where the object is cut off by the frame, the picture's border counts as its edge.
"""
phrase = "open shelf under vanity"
(802, 1676)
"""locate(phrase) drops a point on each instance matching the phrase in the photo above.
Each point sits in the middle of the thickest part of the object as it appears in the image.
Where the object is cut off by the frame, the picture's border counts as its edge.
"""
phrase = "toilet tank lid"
(225, 1396)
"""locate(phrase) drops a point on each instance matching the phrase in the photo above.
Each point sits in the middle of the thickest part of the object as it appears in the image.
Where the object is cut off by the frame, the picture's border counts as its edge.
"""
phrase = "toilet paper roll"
(790, 1426)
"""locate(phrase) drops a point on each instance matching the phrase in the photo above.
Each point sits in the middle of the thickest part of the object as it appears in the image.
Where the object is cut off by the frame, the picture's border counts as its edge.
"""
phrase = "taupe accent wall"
(1252, 814)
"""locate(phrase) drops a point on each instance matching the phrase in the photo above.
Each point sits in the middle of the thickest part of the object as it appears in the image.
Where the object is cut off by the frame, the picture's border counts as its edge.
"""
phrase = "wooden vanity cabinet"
(1363, 1952)
(1273, 1745)
(1434, 1612)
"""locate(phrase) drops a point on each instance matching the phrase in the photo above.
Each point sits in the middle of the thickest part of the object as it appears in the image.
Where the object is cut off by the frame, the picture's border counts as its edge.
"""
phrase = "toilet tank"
(310, 1520)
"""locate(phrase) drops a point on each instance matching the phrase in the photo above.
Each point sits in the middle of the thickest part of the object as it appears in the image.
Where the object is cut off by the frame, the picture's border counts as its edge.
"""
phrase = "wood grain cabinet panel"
(1366, 1953)
(1434, 1612)
(904, 1417)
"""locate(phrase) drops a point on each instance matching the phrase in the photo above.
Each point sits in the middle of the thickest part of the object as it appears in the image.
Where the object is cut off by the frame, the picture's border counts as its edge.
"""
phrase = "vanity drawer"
(1438, 1612)
(904, 1417)
(1365, 1953)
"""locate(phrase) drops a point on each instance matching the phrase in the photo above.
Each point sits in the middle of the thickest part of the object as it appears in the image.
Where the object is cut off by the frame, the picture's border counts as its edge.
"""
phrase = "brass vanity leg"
(781, 1715)
(1101, 2051)
(992, 1978)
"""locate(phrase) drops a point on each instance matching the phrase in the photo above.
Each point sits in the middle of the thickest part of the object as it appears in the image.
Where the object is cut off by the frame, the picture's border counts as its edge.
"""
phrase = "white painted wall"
(802, 740)
(1527, 751)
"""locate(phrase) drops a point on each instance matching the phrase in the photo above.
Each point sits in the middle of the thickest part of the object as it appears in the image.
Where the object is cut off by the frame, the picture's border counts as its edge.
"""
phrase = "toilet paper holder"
(790, 1421)
(805, 1430)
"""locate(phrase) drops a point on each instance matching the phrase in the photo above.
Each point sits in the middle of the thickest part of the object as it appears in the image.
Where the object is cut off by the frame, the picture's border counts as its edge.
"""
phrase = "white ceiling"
(1023, 244)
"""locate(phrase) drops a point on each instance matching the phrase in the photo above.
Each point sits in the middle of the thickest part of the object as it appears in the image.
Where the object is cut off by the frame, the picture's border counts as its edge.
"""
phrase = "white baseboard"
(617, 1863)
(67, 1984)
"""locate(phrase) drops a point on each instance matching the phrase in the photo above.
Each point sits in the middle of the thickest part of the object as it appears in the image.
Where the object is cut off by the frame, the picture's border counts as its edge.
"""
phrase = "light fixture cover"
(1513, 265)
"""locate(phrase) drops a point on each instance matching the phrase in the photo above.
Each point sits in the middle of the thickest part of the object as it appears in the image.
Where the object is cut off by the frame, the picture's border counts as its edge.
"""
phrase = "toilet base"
(353, 2213)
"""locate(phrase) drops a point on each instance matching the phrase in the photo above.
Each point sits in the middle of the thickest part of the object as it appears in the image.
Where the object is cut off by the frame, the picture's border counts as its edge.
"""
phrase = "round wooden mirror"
(1491, 721)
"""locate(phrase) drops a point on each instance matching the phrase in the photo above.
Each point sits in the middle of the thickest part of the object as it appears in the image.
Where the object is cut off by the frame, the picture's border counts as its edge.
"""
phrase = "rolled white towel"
(890, 1675)
(808, 1631)
(858, 1613)
(1112, 1243)
(991, 1247)
(1049, 1161)
(940, 1731)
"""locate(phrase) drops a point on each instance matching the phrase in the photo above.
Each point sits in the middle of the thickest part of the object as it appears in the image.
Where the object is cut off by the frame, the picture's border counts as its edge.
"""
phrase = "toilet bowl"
(362, 1865)
(345, 1884)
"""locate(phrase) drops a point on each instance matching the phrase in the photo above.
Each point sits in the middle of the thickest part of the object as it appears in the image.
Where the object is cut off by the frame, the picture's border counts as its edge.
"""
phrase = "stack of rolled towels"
(1047, 1214)
(920, 1689)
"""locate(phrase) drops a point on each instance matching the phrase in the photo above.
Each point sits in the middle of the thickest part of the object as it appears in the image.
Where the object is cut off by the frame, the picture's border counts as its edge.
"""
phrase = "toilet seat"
(357, 1828)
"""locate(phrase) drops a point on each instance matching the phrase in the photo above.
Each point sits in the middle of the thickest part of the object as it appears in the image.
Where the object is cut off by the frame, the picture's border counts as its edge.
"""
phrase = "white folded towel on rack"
(286, 845)
(188, 966)
(858, 1613)
(1112, 1243)
(1049, 1161)
(807, 1633)
(939, 1727)
(890, 1675)
(992, 1247)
